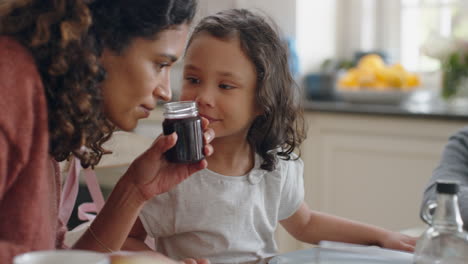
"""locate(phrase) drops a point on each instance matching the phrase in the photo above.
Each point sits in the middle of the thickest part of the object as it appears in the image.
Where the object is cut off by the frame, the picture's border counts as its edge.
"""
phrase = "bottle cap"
(181, 109)
(447, 187)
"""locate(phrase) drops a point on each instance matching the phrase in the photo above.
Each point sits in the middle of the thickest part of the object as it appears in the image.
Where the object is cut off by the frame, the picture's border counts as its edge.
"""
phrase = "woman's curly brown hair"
(280, 129)
(66, 44)
(55, 32)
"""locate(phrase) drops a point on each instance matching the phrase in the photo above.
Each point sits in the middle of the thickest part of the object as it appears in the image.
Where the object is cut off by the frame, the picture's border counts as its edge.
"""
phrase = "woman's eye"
(160, 66)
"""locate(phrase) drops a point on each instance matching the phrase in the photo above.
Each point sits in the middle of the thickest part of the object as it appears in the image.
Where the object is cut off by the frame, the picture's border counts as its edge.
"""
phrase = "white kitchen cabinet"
(370, 168)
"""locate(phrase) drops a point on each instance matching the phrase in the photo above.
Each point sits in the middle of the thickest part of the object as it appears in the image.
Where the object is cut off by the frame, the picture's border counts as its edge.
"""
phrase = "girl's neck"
(230, 157)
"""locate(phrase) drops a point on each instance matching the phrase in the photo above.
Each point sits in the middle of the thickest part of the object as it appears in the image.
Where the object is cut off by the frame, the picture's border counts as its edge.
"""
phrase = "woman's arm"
(312, 227)
(114, 221)
(149, 175)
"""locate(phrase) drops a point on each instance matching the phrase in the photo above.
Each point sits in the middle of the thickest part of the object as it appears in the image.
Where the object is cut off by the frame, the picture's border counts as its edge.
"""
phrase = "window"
(340, 28)
(420, 19)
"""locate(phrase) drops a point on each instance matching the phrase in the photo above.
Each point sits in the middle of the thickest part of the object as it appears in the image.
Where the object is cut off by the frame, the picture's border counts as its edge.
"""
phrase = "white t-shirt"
(226, 219)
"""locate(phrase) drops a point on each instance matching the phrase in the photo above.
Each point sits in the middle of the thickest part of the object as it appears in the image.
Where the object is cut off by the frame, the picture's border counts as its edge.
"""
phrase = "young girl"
(236, 69)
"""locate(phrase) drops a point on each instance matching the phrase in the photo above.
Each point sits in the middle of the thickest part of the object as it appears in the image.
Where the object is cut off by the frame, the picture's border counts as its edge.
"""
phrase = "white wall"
(327, 28)
(339, 28)
(283, 12)
(316, 32)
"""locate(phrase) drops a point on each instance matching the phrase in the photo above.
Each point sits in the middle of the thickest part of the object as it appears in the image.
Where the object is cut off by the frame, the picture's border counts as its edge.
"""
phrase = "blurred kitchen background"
(373, 143)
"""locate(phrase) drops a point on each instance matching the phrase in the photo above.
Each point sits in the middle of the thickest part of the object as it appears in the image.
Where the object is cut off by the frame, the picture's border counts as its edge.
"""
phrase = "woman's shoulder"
(10, 48)
(16, 62)
(17, 66)
(22, 98)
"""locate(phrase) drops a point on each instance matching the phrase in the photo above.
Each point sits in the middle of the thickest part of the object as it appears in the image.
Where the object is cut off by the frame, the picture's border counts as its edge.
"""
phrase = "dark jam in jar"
(182, 118)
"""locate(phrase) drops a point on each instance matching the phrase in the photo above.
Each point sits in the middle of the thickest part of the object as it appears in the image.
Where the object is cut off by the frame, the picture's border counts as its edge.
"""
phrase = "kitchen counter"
(421, 104)
(427, 110)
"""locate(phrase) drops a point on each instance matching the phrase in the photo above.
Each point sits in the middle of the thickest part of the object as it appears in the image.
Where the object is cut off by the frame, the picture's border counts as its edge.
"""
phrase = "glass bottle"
(182, 117)
(445, 241)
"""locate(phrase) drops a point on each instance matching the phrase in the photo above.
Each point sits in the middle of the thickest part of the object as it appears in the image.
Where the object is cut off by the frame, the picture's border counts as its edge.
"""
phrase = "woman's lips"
(146, 110)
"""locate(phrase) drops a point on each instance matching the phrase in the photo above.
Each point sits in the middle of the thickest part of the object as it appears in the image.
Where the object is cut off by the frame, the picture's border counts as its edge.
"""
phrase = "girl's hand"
(398, 241)
(152, 174)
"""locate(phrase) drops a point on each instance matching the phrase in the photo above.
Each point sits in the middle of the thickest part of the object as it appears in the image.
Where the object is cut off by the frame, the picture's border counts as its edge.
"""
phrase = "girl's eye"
(226, 86)
(192, 80)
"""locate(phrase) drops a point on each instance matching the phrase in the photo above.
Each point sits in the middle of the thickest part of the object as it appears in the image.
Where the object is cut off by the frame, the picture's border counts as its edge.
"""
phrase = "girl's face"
(222, 80)
(139, 76)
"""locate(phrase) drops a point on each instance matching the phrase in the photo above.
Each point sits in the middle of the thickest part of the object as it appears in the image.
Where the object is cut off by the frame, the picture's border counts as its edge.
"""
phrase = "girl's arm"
(312, 227)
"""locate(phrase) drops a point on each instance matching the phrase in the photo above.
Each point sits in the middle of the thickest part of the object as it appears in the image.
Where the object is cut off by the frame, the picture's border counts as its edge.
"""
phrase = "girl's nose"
(205, 97)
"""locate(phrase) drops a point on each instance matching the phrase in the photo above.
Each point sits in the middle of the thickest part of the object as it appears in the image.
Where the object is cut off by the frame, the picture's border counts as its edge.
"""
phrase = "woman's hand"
(152, 174)
(398, 241)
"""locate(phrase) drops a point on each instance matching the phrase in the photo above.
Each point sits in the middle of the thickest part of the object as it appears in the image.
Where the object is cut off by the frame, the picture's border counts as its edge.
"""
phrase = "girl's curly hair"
(66, 39)
(280, 129)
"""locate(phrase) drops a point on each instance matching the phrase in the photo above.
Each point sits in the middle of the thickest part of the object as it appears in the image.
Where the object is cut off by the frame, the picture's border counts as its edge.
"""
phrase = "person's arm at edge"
(453, 166)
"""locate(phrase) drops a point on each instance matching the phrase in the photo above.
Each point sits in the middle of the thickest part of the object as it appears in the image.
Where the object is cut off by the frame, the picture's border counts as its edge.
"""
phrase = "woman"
(70, 73)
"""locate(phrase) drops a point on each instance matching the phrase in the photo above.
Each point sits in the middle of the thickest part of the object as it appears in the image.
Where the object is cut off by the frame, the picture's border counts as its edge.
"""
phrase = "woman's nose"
(163, 88)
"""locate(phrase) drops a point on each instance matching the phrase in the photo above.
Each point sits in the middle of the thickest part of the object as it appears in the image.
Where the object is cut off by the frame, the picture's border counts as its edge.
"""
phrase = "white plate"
(62, 257)
(342, 256)
(373, 96)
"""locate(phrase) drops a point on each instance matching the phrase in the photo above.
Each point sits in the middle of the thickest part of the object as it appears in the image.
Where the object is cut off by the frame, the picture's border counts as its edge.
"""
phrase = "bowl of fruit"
(372, 81)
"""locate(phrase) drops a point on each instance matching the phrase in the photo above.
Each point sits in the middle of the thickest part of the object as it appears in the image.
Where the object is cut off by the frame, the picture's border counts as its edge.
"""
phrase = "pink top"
(29, 188)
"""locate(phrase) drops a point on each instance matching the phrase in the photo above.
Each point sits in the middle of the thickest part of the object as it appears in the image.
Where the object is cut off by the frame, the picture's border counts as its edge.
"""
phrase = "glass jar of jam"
(182, 118)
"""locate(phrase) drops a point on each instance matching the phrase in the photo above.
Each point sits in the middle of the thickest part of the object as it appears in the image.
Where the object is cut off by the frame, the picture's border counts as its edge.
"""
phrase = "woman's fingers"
(208, 150)
(208, 135)
(192, 168)
(163, 143)
(205, 123)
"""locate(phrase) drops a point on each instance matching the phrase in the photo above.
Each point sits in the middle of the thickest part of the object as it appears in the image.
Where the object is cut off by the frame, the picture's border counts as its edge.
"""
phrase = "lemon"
(371, 62)
(412, 80)
(350, 79)
(372, 73)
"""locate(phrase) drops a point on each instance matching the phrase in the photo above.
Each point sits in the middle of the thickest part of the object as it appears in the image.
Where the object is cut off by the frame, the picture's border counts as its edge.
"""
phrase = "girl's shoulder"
(283, 162)
(292, 165)
(284, 167)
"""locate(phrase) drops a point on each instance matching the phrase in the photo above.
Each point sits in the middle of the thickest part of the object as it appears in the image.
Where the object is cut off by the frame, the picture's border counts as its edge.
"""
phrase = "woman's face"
(139, 76)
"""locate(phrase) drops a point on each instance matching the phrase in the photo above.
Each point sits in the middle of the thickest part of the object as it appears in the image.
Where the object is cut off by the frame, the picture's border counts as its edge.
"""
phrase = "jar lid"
(180, 109)
(447, 187)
